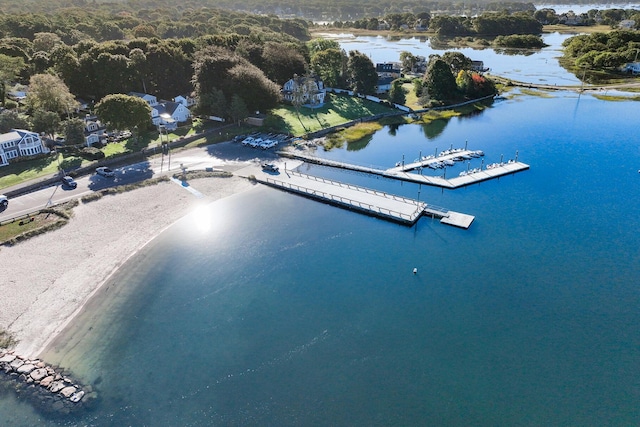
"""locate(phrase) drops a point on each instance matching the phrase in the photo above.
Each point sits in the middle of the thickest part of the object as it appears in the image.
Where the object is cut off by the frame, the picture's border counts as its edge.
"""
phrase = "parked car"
(68, 182)
(270, 167)
(4, 201)
(105, 171)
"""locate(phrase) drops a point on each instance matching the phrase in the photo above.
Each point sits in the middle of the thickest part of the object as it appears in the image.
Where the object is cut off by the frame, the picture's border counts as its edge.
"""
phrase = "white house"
(20, 143)
(94, 131)
(150, 99)
(186, 100)
(169, 114)
(310, 89)
(165, 113)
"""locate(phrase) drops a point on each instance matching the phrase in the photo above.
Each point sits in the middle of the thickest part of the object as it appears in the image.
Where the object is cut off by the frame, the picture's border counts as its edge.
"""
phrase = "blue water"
(271, 309)
(533, 66)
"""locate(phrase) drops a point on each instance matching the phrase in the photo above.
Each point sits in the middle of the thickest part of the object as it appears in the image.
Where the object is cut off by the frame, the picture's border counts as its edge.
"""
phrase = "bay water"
(266, 308)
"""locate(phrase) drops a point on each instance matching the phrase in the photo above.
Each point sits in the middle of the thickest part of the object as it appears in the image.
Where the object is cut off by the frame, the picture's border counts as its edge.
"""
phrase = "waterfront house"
(166, 113)
(20, 143)
(94, 130)
(310, 90)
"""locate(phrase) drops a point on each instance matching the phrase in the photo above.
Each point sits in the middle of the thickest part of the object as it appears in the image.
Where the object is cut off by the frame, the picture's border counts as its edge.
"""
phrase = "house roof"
(167, 107)
(15, 134)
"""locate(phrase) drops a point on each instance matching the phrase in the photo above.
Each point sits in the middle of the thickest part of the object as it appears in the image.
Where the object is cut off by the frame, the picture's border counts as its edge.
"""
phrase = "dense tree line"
(316, 10)
(603, 50)
(611, 17)
(488, 24)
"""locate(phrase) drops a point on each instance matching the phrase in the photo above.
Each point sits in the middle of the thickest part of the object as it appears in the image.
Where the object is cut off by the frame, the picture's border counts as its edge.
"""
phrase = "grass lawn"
(36, 221)
(15, 173)
(338, 109)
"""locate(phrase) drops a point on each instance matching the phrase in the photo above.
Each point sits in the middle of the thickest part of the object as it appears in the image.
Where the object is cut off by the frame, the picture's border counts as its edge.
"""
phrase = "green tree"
(73, 130)
(10, 68)
(408, 61)
(49, 93)
(457, 61)
(330, 66)
(218, 68)
(47, 122)
(397, 93)
(362, 73)
(120, 112)
(10, 119)
(238, 109)
(439, 83)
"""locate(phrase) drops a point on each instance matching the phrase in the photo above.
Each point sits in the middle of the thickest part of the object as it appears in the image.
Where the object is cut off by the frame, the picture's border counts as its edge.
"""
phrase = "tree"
(47, 122)
(457, 61)
(330, 66)
(73, 130)
(10, 68)
(408, 60)
(238, 109)
(220, 69)
(281, 61)
(362, 73)
(212, 103)
(120, 112)
(439, 82)
(397, 93)
(10, 119)
(49, 93)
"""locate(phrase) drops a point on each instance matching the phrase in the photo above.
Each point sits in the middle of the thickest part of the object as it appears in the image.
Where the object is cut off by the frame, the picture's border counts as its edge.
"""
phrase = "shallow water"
(270, 309)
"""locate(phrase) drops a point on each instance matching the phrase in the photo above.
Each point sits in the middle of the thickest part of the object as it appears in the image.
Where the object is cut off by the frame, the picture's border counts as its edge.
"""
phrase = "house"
(384, 85)
(388, 69)
(20, 143)
(94, 130)
(150, 99)
(169, 114)
(310, 90)
(186, 100)
(478, 66)
(166, 113)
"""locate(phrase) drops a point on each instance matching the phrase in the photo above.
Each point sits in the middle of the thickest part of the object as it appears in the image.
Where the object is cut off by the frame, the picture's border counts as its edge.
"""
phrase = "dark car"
(269, 167)
(68, 182)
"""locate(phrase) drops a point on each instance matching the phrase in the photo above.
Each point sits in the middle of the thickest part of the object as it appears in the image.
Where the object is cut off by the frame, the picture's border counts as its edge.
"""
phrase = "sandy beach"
(47, 279)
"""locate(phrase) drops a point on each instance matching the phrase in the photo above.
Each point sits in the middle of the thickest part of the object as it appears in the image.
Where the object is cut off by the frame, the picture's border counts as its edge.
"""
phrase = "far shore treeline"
(235, 62)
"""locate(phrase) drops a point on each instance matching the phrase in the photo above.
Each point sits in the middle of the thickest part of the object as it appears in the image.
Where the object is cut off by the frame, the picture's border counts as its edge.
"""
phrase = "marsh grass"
(351, 134)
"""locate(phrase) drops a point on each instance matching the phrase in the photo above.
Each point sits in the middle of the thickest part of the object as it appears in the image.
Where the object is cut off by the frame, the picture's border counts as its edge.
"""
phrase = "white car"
(105, 171)
(4, 201)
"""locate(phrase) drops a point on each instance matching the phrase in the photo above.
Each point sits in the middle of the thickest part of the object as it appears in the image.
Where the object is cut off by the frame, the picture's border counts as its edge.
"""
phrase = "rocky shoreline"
(48, 388)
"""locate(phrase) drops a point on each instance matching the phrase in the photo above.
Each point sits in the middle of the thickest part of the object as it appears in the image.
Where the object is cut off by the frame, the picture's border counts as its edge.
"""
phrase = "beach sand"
(47, 279)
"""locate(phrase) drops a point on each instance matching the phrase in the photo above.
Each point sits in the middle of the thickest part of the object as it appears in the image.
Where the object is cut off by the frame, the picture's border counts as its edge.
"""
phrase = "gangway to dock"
(365, 200)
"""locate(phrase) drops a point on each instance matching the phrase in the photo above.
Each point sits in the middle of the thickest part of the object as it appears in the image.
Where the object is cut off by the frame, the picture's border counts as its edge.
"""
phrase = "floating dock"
(371, 202)
(400, 172)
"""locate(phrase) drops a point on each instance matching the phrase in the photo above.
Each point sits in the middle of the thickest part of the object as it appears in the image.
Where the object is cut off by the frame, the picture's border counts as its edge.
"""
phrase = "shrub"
(91, 153)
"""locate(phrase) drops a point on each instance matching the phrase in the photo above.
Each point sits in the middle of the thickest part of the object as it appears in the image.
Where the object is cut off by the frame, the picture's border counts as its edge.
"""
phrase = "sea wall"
(48, 388)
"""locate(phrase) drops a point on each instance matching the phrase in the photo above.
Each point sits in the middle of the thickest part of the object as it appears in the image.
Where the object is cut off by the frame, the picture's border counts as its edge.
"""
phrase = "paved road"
(223, 156)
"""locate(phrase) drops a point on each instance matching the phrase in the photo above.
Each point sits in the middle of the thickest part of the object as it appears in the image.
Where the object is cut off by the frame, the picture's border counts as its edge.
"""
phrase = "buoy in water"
(415, 271)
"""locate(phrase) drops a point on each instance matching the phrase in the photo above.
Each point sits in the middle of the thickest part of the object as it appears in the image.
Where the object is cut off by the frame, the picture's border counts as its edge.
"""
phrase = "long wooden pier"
(400, 172)
(372, 202)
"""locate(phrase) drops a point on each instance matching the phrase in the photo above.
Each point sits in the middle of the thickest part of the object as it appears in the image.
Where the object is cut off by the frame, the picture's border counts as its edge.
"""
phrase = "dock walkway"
(400, 172)
(372, 202)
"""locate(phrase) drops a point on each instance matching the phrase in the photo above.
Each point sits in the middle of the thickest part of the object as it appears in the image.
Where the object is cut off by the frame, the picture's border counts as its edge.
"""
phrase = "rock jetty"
(48, 388)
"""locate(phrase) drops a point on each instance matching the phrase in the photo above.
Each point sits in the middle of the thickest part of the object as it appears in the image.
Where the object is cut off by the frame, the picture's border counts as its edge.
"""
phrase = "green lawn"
(15, 173)
(337, 110)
